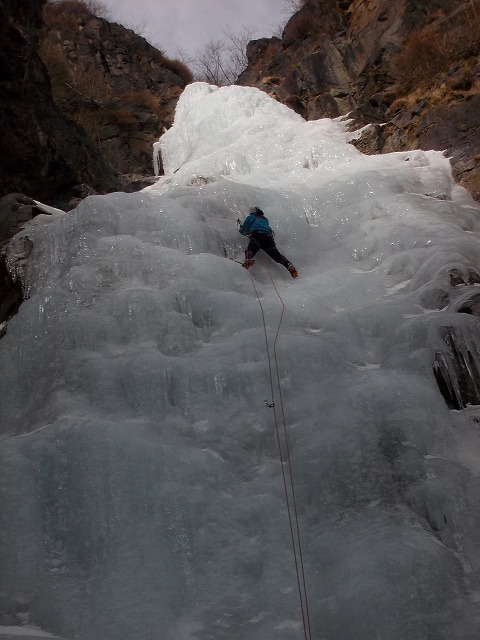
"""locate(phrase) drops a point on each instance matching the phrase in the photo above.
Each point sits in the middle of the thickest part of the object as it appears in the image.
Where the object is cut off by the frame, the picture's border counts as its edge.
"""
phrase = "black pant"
(264, 241)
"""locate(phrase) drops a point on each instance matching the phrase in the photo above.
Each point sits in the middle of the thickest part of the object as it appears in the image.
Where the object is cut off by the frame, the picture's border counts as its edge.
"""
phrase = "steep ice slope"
(141, 492)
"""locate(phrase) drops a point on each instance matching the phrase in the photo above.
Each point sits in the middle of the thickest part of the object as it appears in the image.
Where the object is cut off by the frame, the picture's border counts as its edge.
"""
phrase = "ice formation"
(141, 492)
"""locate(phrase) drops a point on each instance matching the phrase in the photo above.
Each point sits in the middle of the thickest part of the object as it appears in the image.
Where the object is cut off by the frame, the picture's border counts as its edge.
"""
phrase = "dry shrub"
(117, 154)
(56, 17)
(66, 13)
(154, 54)
(432, 50)
(72, 86)
(180, 69)
(464, 37)
(91, 84)
(91, 119)
(436, 96)
(176, 66)
(58, 69)
(420, 59)
(144, 98)
(272, 80)
(94, 119)
(121, 117)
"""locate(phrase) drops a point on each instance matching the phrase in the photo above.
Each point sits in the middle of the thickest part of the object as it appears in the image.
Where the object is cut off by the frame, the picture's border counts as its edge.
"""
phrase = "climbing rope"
(289, 462)
(287, 485)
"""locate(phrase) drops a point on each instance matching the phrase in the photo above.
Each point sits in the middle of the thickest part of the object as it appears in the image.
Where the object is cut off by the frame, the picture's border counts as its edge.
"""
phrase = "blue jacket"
(255, 223)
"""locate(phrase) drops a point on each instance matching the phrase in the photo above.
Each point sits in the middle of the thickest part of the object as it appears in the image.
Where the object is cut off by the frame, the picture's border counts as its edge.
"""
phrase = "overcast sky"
(187, 25)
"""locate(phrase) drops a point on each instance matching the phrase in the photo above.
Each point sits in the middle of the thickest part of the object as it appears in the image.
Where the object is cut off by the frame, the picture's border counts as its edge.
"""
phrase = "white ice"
(141, 493)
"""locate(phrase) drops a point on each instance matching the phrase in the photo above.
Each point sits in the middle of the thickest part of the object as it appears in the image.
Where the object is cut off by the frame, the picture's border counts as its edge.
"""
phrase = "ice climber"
(260, 234)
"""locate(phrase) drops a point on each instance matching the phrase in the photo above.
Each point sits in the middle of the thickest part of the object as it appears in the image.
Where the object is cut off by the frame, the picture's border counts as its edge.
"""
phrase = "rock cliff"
(122, 90)
(82, 100)
(410, 69)
(44, 154)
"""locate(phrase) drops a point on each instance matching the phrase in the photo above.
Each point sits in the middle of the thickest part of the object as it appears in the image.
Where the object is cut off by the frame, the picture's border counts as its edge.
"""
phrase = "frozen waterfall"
(141, 492)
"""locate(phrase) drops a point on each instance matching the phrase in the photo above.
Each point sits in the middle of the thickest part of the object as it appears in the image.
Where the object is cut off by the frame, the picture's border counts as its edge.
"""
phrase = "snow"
(49, 210)
(141, 490)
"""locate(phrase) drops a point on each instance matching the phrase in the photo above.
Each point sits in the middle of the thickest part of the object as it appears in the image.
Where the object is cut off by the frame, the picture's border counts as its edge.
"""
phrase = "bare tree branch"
(221, 61)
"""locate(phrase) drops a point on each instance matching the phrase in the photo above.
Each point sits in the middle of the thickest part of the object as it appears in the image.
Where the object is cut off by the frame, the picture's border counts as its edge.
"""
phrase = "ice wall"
(141, 492)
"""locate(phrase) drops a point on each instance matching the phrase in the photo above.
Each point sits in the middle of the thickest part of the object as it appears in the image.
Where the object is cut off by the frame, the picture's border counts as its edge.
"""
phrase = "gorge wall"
(109, 79)
(44, 154)
(82, 100)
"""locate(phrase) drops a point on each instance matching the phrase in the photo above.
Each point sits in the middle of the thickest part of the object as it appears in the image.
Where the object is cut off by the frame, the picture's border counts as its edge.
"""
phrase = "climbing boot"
(293, 271)
(248, 263)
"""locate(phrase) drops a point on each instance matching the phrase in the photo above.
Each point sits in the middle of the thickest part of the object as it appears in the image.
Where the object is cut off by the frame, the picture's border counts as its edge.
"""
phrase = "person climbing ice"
(260, 234)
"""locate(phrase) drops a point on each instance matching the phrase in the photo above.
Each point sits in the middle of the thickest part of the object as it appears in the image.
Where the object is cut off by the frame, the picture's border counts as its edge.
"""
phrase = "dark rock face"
(43, 154)
(122, 90)
(303, 67)
(341, 57)
(16, 210)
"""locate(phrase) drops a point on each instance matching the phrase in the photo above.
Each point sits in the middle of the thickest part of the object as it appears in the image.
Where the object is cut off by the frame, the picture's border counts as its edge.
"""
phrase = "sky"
(187, 25)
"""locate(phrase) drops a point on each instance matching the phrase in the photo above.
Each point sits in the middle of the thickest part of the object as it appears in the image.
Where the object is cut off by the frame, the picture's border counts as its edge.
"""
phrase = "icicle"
(457, 370)
(157, 158)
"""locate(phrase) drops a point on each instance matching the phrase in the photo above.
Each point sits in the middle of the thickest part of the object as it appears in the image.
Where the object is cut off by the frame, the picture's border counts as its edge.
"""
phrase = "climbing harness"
(285, 460)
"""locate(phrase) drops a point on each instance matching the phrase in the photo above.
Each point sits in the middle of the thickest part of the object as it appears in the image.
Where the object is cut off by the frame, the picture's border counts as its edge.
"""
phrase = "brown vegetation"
(274, 80)
(432, 50)
(179, 68)
(176, 66)
(117, 153)
(64, 13)
(122, 117)
(144, 98)
(73, 87)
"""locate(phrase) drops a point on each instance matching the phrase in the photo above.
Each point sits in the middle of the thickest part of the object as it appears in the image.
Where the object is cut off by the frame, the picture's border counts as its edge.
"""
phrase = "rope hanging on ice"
(288, 486)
